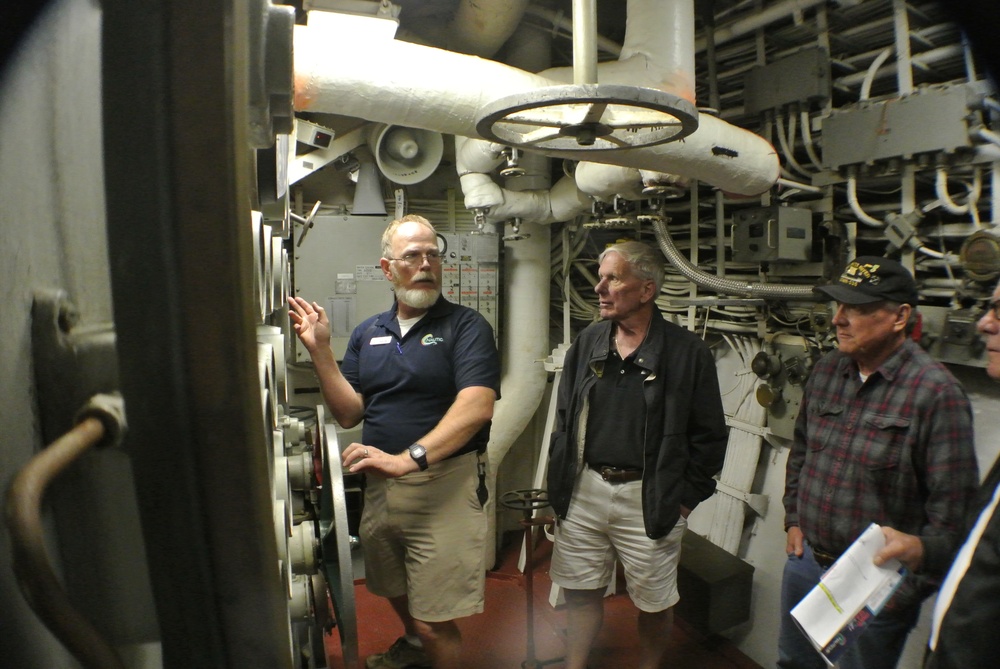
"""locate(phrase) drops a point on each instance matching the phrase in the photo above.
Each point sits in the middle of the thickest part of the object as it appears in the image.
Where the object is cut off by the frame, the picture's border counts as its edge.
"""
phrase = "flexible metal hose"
(719, 284)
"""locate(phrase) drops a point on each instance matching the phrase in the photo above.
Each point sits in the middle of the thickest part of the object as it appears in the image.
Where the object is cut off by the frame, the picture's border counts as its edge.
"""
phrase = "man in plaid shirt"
(884, 435)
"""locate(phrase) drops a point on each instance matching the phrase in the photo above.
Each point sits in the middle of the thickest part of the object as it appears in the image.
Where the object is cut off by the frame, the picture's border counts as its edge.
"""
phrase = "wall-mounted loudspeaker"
(406, 155)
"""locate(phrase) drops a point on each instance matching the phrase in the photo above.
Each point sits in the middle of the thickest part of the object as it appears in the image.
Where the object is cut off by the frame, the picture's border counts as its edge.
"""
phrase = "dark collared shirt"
(895, 450)
(617, 415)
(410, 382)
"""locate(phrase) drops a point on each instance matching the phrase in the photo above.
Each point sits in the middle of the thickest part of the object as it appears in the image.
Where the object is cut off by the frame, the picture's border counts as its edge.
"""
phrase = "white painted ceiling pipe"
(423, 87)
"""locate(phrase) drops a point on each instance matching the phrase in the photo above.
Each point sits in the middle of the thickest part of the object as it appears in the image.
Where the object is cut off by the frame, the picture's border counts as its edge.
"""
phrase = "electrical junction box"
(929, 121)
(337, 266)
(769, 234)
(803, 76)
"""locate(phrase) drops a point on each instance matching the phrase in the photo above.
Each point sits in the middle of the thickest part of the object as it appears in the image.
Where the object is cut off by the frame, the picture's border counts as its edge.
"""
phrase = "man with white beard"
(424, 377)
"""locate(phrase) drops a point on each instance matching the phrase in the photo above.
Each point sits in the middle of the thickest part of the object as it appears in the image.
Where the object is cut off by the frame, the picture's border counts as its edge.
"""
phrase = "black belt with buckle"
(823, 558)
(617, 474)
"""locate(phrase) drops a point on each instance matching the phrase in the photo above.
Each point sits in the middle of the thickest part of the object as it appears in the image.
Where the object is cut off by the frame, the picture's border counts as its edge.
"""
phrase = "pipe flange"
(588, 117)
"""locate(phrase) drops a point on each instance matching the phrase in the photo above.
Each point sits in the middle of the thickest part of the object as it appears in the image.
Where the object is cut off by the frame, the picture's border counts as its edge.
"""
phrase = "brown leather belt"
(617, 474)
(823, 558)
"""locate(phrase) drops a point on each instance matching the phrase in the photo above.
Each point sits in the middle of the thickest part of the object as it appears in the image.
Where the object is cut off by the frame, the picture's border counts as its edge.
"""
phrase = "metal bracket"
(73, 361)
(755, 501)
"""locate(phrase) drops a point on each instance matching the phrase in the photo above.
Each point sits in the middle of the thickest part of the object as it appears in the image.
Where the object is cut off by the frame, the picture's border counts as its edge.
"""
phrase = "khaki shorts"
(424, 536)
(604, 524)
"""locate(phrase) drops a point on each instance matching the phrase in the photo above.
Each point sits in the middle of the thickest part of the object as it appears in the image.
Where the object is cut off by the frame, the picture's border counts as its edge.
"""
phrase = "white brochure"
(851, 592)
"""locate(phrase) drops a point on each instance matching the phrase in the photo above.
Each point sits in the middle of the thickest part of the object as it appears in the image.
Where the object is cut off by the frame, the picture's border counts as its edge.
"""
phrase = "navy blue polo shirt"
(409, 383)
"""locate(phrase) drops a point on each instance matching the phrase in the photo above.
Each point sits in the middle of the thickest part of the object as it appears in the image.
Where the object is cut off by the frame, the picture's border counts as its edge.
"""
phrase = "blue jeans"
(878, 648)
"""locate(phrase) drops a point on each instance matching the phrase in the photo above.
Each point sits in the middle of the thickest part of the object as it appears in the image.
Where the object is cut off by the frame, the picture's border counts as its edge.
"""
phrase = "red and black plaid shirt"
(896, 450)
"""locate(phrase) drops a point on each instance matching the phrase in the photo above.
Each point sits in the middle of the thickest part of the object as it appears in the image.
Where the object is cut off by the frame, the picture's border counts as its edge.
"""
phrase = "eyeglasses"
(414, 259)
(993, 306)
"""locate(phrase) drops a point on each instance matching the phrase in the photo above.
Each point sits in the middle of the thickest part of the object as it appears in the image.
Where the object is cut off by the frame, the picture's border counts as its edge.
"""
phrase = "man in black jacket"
(967, 610)
(640, 435)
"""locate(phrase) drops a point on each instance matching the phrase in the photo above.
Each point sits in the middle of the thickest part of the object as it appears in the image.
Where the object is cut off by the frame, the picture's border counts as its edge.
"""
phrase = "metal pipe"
(901, 28)
(922, 59)
(558, 20)
(758, 20)
(35, 576)
(584, 42)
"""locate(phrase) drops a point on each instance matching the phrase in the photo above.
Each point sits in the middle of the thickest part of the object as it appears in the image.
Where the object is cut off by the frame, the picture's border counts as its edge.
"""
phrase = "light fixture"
(377, 18)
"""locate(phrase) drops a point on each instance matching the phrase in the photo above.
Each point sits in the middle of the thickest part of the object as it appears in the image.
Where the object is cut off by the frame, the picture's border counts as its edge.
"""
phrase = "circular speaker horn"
(406, 155)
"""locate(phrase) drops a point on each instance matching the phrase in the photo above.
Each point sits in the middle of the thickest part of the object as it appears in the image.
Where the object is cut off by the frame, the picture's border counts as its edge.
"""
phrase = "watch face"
(419, 454)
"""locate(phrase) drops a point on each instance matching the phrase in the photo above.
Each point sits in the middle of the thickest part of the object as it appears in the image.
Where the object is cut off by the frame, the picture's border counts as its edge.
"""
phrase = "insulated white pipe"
(604, 182)
(526, 345)
(567, 201)
(941, 190)
(852, 199)
(475, 159)
(733, 160)
(562, 203)
(658, 51)
(476, 156)
(422, 87)
(662, 34)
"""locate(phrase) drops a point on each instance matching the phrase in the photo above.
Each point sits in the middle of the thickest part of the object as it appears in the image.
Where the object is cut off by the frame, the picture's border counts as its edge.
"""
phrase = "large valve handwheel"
(588, 117)
(525, 500)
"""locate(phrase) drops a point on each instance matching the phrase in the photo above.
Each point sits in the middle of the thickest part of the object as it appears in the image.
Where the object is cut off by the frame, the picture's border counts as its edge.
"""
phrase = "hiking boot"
(401, 655)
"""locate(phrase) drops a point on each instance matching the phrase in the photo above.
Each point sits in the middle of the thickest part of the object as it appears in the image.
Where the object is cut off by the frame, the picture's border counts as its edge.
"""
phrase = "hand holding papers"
(851, 592)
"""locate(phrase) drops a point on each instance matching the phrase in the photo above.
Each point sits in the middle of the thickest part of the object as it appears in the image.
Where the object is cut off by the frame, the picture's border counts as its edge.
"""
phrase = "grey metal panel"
(337, 266)
(929, 121)
(801, 77)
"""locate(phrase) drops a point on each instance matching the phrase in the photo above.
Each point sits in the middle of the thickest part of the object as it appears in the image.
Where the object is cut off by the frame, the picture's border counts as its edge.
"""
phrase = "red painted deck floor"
(497, 638)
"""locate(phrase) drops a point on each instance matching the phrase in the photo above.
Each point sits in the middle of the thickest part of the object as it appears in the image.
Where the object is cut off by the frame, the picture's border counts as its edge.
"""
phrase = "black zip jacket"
(685, 443)
(967, 637)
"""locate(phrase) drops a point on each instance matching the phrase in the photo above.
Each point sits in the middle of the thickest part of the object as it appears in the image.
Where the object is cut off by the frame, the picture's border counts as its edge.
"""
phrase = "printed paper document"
(851, 592)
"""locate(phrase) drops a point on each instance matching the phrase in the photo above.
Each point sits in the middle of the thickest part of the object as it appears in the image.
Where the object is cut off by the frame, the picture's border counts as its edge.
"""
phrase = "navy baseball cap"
(869, 279)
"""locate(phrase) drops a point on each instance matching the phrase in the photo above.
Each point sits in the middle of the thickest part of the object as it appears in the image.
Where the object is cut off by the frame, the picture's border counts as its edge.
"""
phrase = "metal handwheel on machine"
(335, 539)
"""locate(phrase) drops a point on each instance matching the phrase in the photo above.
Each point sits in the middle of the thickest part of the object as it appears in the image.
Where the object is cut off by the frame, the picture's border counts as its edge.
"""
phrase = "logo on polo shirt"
(431, 340)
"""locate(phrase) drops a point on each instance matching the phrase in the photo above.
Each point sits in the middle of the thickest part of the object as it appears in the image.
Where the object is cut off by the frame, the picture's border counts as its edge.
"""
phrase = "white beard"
(417, 298)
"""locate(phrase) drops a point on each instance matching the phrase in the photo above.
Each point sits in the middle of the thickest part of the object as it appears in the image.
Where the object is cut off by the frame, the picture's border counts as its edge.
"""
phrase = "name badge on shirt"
(378, 341)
